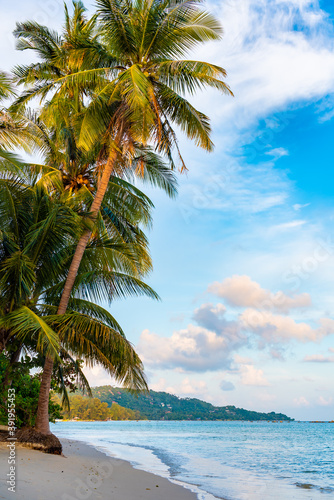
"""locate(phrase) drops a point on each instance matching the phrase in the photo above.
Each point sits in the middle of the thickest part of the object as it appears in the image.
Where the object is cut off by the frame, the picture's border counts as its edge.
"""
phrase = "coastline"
(83, 472)
(218, 460)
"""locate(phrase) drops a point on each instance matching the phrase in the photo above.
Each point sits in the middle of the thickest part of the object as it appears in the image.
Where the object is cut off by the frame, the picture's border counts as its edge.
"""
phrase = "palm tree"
(37, 238)
(71, 172)
(133, 81)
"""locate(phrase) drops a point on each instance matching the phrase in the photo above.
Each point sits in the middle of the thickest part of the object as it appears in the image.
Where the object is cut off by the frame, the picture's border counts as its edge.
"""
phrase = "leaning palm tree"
(71, 173)
(133, 80)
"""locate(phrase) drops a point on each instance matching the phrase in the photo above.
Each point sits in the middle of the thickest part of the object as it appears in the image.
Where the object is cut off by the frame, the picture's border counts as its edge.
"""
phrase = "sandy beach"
(82, 473)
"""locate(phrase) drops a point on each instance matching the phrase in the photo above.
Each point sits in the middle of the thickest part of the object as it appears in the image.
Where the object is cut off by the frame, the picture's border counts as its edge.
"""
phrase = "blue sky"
(244, 258)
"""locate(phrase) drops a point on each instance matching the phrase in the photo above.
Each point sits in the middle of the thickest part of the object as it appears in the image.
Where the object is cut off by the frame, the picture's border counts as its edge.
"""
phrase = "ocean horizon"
(222, 460)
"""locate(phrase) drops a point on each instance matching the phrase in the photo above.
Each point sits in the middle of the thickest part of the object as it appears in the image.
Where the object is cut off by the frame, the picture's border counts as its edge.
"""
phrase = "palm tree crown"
(127, 64)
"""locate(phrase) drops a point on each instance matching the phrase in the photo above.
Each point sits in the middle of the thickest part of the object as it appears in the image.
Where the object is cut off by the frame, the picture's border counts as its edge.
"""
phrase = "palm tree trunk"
(42, 420)
(3, 339)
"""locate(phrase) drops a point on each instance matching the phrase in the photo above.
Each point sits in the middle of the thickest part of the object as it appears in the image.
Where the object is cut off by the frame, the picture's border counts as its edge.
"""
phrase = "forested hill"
(164, 406)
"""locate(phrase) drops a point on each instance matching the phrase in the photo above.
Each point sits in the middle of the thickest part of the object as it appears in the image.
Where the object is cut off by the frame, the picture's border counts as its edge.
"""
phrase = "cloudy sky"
(244, 258)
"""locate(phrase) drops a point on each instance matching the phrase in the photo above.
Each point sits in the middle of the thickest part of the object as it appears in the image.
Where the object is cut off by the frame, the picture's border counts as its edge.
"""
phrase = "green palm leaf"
(97, 343)
(25, 323)
(89, 309)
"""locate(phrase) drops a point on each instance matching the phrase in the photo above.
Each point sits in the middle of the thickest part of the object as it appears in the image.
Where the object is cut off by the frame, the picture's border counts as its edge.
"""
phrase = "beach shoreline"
(82, 473)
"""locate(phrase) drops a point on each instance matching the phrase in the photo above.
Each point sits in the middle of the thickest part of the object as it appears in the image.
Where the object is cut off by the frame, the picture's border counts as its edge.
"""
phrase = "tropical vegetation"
(26, 385)
(165, 406)
(84, 408)
(35, 251)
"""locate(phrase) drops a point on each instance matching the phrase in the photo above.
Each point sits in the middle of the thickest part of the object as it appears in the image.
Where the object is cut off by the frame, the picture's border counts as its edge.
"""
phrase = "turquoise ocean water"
(229, 460)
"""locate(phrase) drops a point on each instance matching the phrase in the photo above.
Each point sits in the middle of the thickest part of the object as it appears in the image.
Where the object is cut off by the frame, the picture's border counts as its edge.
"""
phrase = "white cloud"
(269, 63)
(241, 360)
(325, 402)
(277, 153)
(206, 346)
(242, 291)
(271, 67)
(213, 342)
(188, 387)
(286, 226)
(276, 328)
(233, 188)
(191, 387)
(298, 206)
(195, 348)
(301, 401)
(97, 376)
(159, 386)
(252, 376)
(319, 358)
(326, 109)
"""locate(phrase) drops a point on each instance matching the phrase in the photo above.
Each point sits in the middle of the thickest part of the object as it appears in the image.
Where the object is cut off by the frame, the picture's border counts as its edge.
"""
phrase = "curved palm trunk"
(42, 419)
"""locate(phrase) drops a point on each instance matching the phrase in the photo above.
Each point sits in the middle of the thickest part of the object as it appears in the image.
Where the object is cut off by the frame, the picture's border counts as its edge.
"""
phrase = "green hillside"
(164, 406)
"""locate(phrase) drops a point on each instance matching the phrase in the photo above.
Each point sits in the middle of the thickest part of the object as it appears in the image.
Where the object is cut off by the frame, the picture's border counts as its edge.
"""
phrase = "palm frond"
(25, 323)
(95, 342)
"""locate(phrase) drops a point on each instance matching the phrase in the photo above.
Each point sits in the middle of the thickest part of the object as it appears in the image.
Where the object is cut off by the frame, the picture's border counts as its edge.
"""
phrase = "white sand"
(83, 473)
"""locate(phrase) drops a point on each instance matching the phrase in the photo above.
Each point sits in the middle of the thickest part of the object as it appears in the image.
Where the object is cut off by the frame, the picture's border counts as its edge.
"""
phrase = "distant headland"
(164, 406)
